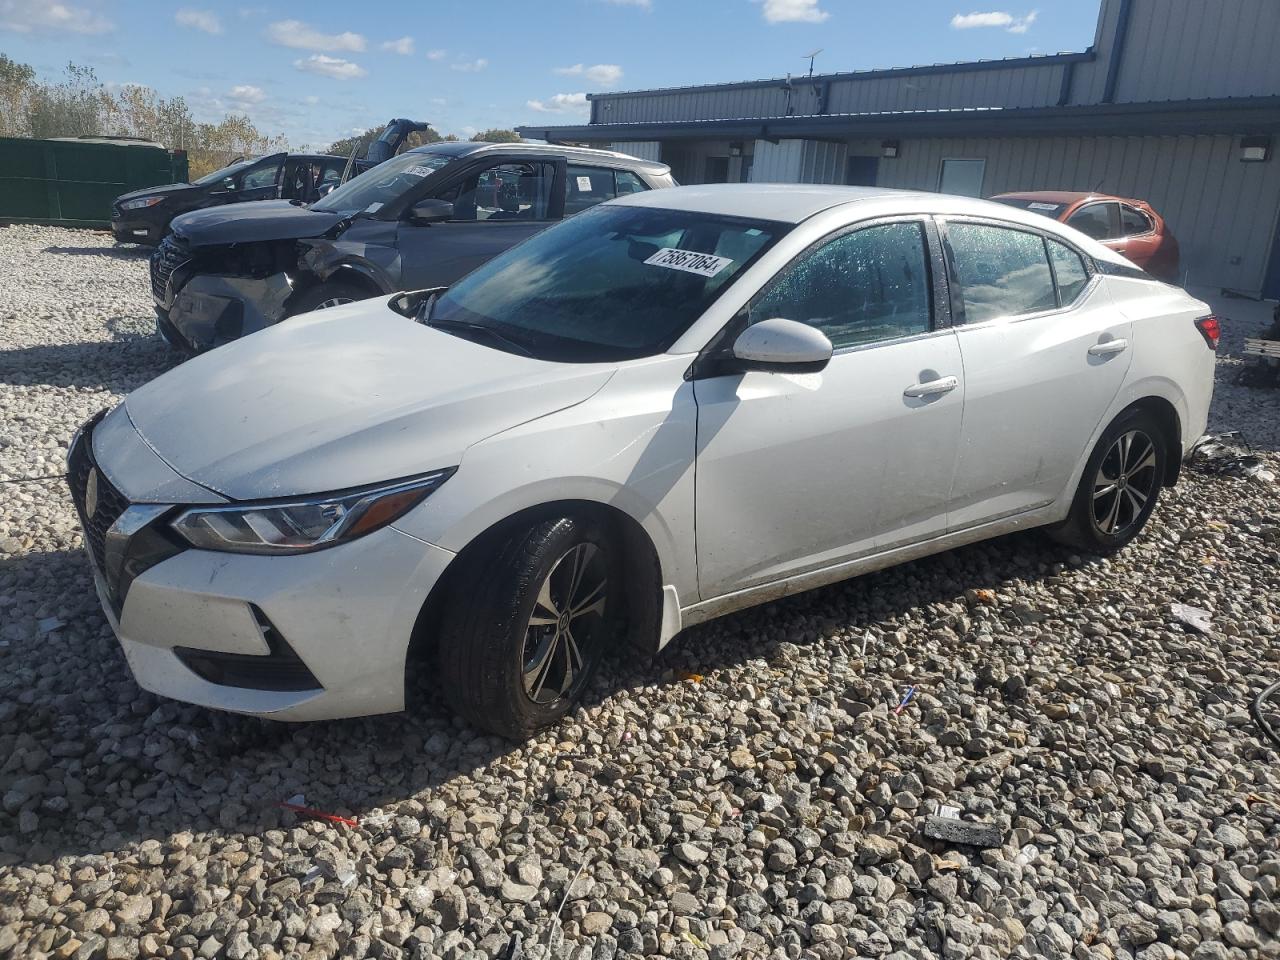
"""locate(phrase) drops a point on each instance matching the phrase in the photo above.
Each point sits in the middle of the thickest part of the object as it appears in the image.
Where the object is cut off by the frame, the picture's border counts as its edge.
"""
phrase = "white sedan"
(671, 406)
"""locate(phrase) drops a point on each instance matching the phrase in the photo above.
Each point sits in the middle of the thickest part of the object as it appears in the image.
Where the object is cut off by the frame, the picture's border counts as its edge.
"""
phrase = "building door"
(862, 171)
(1271, 283)
(717, 170)
(962, 177)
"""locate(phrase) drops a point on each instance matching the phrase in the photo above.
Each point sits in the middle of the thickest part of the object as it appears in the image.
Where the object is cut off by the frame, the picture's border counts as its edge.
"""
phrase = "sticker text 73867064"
(703, 264)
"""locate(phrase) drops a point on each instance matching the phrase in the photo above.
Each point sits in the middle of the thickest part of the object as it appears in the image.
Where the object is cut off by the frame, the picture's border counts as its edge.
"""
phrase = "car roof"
(779, 202)
(466, 148)
(1062, 197)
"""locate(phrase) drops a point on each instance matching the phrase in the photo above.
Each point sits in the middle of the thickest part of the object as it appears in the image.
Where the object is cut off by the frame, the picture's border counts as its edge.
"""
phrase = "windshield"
(226, 171)
(613, 283)
(386, 182)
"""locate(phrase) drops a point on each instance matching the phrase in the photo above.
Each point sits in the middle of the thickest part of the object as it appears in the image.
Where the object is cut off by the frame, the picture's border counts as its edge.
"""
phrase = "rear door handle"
(1108, 348)
(934, 388)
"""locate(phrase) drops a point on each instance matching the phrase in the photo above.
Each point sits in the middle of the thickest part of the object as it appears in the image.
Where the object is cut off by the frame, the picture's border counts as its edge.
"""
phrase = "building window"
(962, 177)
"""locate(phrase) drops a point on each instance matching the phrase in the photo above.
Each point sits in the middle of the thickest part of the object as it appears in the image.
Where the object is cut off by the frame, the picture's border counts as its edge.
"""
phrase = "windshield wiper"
(469, 327)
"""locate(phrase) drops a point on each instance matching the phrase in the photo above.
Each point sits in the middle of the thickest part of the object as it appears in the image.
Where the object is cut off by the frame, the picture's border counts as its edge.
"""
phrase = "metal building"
(1176, 102)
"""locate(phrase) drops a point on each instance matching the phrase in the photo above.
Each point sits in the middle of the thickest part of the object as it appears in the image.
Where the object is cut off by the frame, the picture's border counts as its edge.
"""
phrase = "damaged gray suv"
(421, 219)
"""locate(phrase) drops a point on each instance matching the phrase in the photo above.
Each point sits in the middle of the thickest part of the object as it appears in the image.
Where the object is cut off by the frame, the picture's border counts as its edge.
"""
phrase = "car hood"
(340, 398)
(161, 190)
(251, 221)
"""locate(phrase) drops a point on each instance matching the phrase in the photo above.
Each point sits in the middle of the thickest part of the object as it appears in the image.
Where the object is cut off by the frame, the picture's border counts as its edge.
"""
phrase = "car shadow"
(118, 252)
(147, 767)
(121, 364)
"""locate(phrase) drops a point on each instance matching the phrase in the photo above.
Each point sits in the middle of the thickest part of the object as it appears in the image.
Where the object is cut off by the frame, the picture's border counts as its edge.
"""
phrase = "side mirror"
(431, 211)
(782, 346)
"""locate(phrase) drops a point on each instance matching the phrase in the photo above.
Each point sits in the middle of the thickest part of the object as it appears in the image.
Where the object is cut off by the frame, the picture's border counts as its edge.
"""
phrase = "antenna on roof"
(810, 57)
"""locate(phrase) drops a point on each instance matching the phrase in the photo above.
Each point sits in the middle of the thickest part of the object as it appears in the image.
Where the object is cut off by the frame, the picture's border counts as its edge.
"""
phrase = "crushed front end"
(206, 296)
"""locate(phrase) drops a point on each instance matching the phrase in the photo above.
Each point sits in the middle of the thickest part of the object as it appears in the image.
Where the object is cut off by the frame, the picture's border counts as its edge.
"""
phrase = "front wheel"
(1119, 487)
(529, 625)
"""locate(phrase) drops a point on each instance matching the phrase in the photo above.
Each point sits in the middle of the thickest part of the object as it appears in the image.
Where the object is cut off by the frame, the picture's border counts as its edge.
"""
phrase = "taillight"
(1211, 329)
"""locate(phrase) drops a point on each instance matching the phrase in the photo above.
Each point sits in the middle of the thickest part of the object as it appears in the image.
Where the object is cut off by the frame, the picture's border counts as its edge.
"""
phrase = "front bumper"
(210, 310)
(348, 613)
(136, 231)
(194, 623)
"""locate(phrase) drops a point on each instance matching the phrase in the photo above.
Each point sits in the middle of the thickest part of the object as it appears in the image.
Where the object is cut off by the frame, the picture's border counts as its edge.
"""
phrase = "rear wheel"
(528, 628)
(1119, 487)
(322, 296)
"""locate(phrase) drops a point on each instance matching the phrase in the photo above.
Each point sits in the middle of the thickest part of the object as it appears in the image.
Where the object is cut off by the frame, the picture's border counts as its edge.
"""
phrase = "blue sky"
(319, 70)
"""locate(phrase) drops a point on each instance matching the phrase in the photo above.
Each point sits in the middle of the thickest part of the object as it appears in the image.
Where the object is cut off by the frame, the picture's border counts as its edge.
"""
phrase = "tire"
(324, 295)
(1119, 487)
(512, 658)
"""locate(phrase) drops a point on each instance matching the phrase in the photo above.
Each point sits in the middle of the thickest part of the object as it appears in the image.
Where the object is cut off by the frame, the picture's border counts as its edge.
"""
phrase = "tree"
(497, 135)
(80, 105)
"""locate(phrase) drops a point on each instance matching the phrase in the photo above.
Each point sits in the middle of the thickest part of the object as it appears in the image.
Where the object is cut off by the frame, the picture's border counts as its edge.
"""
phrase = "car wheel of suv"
(1119, 487)
(324, 295)
(529, 624)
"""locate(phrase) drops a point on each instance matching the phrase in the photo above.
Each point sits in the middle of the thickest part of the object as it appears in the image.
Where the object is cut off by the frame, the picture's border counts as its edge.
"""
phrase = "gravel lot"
(750, 793)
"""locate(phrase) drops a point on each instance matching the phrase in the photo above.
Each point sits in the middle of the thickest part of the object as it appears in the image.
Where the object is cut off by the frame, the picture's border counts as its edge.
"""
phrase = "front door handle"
(933, 388)
(1108, 348)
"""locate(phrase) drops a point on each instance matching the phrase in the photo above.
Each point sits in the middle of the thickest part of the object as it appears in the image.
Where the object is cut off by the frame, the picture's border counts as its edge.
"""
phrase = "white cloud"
(296, 34)
(642, 4)
(561, 103)
(311, 100)
(30, 16)
(995, 18)
(403, 46)
(437, 54)
(247, 94)
(334, 67)
(604, 74)
(470, 66)
(794, 11)
(204, 20)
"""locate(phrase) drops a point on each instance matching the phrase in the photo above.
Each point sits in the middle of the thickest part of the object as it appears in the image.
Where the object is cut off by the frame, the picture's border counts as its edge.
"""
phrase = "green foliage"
(498, 136)
(80, 105)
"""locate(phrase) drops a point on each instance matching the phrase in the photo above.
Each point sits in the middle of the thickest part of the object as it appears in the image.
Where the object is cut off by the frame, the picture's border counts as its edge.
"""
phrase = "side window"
(628, 182)
(1095, 221)
(331, 175)
(587, 186)
(1069, 270)
(1134, 222)
(506, 191)
(868, 285)
(1001, 272)
(262, 177)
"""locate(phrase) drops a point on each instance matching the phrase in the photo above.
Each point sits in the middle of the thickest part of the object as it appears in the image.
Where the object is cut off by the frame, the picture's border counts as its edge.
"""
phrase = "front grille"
(171, 254)
(109, 503)
(141, 538)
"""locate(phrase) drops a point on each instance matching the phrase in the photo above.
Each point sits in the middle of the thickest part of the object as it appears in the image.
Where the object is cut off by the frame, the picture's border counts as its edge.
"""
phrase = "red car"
(1127, 226)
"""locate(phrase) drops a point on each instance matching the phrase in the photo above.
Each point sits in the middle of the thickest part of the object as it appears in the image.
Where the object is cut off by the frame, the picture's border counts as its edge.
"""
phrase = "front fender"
(327, 259)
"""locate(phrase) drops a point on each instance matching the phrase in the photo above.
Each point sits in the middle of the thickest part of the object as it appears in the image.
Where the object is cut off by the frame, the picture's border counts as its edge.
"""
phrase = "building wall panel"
(643, 149)
(1222, 211)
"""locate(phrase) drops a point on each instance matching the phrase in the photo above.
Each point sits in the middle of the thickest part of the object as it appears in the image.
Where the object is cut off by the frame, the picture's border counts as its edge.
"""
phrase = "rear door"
(496, 204)
(1045, 352)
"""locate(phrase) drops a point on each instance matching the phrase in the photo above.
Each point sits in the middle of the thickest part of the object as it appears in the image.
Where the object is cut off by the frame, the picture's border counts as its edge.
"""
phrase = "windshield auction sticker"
(703, 264)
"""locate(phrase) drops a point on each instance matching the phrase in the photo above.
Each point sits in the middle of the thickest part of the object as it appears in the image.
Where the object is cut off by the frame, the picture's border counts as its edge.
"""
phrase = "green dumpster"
(71, 181)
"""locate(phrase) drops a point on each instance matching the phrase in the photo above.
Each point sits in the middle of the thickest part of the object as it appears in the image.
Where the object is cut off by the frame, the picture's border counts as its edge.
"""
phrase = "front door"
(494, 208)
(1045, 353)
(796, 472)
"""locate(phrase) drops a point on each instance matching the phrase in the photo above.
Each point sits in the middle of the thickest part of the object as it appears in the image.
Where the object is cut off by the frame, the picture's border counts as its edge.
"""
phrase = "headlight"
(140, 203)
(307, 523)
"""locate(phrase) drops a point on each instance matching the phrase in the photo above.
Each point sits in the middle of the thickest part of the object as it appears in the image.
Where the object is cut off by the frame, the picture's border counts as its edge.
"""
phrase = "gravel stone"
(776, 809)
